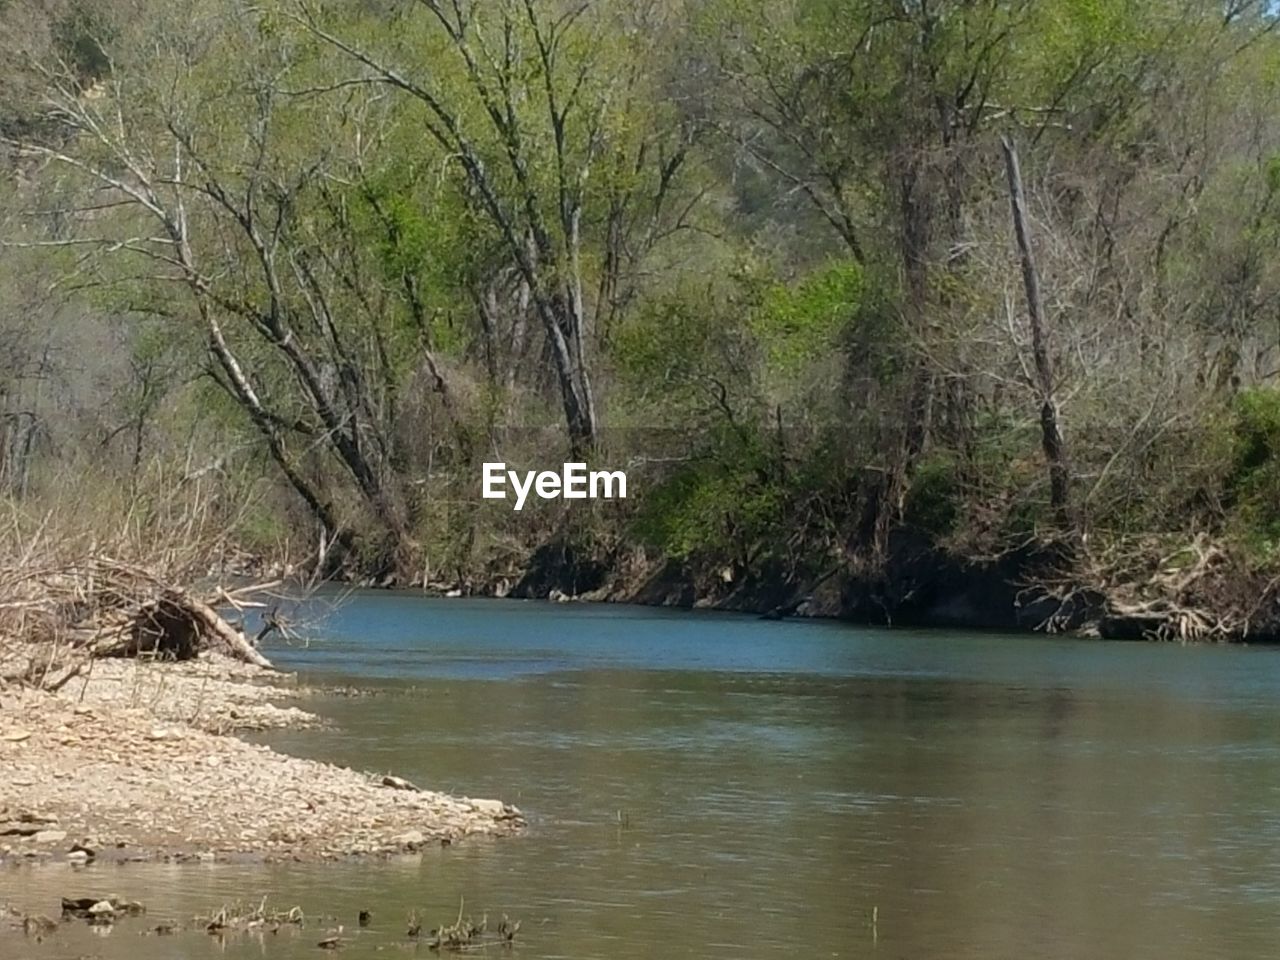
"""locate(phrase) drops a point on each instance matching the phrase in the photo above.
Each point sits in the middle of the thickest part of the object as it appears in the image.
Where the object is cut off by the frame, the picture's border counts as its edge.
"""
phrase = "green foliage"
(1257, 432)
(1253, 483)
(263, 530)
(732, 348)
(715, 507)
(934, 497)
(799, 323)
(79, 36)
(692, 349)
(414, 229)
(829, 284)
(427, 235)
(1271, 172)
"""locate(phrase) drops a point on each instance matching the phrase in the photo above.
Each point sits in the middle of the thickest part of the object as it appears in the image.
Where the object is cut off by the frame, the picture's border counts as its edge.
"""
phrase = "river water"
(706, 785)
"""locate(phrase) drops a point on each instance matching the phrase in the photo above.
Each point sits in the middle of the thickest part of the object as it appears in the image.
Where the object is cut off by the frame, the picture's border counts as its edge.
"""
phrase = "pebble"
(414, 838)
(146, 765)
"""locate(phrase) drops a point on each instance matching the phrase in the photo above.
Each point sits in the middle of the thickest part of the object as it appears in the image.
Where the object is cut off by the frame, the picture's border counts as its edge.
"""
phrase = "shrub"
(933, 498)
(1252, 487)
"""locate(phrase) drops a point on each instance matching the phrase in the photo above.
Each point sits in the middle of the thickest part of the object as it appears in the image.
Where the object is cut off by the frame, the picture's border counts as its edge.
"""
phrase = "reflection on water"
(710, 786)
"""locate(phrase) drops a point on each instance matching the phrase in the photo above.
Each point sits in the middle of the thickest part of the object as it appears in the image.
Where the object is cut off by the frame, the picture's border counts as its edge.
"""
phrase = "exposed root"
(1195, 592)
(1153, 590)
(1191, 596)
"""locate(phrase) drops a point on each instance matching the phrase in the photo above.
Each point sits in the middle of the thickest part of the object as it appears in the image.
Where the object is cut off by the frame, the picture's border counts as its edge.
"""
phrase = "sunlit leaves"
(800, 323)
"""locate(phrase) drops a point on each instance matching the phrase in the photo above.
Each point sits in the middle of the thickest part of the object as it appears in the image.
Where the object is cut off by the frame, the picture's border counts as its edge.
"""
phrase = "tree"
(211, 189)
(532, 102)
(1050, 430)
(875, 112)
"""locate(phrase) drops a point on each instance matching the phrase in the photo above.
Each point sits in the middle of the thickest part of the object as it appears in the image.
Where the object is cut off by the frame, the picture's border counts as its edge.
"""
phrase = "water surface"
(705, 785)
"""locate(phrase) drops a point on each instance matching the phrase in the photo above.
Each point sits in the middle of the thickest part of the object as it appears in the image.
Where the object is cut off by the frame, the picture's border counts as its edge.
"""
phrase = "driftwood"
(231, 640)
(1179, 601)
(102, 607)
(1195, 593)
(1158, 588)
(177, 627)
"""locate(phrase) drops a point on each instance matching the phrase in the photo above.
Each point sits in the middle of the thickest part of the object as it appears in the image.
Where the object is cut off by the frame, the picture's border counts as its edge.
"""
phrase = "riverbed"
(707, 785)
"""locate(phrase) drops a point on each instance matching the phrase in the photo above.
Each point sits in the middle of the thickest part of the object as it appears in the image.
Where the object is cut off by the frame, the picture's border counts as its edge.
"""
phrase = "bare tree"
(547, 94)
(236, 231)
(1050, 429)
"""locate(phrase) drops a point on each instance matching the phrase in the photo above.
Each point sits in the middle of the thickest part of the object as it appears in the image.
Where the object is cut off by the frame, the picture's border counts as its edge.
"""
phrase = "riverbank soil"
(139, 760)
(1196, 592)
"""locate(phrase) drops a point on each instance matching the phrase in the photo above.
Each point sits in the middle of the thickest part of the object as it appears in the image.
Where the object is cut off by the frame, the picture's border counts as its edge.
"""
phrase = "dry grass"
(77, 583)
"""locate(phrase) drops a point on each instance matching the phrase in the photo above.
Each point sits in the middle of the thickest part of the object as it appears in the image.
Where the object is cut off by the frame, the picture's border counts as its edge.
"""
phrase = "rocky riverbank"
(139, 760)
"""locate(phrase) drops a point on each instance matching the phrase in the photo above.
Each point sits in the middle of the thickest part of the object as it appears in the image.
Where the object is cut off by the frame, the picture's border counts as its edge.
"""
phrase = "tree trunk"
(1055, 452)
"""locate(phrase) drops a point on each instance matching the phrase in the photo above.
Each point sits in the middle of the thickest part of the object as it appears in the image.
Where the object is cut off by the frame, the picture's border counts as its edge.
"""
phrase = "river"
(707, 785)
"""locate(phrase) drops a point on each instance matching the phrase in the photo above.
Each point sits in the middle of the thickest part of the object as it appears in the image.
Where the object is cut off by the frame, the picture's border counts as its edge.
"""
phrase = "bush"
(1253, 486)
(933, 497)
(722, 503)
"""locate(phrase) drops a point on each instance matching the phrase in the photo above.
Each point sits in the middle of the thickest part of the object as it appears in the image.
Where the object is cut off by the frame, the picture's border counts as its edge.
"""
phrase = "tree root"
(1196, 594)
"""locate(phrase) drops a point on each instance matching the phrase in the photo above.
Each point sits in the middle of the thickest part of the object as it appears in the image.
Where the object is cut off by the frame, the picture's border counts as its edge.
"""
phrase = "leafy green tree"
(549, 118)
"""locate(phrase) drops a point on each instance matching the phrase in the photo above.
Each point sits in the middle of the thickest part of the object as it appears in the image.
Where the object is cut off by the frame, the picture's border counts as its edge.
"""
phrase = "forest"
(937, 311)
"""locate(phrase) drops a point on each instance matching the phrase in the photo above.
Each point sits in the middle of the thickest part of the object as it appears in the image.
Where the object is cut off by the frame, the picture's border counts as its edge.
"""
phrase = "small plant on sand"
(466, 934)
(239, 916)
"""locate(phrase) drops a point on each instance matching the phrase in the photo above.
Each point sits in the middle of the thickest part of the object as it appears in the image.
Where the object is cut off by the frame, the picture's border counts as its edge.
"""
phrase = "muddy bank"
(914, 584)
(140, 760)
(1200, 593)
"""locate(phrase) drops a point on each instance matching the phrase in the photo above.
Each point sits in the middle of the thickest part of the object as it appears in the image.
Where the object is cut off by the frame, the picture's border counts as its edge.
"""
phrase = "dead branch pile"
(71, 612)
(1159, 588)
(1196, 593)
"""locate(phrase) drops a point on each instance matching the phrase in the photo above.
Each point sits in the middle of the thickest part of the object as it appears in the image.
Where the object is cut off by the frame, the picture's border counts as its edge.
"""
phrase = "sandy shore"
(140, 761)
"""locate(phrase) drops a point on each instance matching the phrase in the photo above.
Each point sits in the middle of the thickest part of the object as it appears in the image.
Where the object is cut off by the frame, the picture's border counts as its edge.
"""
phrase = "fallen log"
(76, 611)
(177, 627)
(232, 640)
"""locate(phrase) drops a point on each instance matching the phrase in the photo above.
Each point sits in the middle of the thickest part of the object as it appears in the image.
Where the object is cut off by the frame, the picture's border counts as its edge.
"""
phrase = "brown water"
(712, 786)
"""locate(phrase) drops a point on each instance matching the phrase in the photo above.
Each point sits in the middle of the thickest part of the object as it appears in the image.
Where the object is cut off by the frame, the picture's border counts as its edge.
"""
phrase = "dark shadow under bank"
(917, 584)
